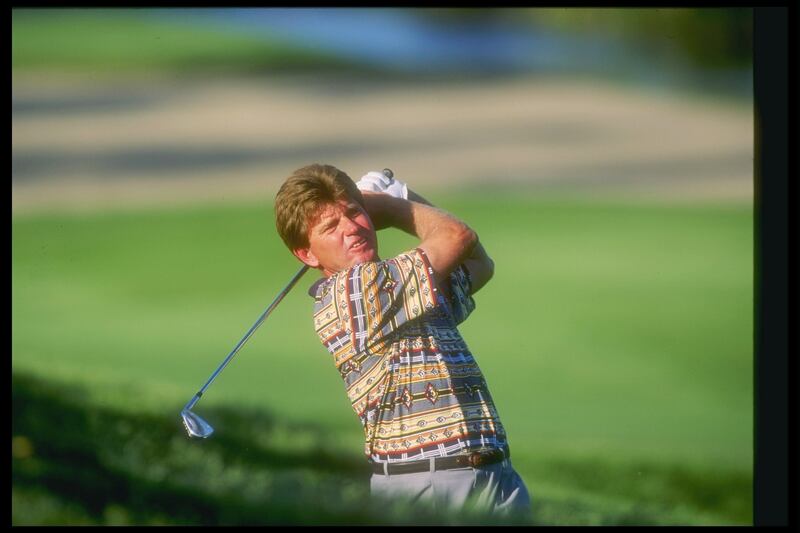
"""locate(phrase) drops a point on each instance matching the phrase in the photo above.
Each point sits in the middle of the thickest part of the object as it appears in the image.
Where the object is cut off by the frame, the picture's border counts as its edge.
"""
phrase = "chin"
(365, 256)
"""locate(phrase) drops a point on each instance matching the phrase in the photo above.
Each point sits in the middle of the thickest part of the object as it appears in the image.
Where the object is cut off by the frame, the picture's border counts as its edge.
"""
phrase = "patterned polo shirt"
(409, 375)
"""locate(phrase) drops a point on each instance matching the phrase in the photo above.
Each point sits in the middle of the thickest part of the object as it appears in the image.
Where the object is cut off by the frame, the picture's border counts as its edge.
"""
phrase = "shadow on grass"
(122, 468)
(76, 460)
(94, 457)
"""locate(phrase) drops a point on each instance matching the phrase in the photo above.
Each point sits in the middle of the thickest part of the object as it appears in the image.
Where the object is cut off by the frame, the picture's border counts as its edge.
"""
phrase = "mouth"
(358, 245)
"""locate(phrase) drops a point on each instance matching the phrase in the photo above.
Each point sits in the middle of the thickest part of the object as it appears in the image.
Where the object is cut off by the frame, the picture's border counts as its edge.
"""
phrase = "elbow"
(485, 273)
(469, 240)
(489, 269)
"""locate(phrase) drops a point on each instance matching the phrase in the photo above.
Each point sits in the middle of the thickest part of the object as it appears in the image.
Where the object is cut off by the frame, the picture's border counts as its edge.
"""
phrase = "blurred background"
(604, 156)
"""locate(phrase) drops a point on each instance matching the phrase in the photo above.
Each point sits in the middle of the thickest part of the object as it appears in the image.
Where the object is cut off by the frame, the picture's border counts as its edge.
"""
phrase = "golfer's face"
(342, 237)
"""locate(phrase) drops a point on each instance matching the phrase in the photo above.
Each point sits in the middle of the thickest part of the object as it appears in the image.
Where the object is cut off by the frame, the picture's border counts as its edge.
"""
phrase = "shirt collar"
(312, 290)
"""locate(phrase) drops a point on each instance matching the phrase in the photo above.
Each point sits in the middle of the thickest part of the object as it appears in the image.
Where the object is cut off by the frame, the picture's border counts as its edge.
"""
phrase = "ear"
(306, 256)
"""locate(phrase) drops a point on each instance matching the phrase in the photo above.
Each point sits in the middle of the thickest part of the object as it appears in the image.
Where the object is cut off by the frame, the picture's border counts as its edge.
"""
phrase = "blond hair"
(303, 194)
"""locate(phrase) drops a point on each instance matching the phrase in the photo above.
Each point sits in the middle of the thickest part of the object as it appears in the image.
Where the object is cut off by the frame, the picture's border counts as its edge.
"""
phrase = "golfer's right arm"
(479, 265)
(446, 240)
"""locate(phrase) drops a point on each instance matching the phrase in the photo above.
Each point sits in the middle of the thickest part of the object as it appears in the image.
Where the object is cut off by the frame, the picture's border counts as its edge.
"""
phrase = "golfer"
(432, 431)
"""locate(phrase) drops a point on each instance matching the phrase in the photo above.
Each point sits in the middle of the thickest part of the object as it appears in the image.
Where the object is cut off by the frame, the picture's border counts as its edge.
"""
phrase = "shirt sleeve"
(461, 301)
(374, 299)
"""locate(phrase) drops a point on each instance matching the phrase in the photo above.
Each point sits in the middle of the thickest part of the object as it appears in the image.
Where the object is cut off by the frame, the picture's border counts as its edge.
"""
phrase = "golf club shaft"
(261, 319)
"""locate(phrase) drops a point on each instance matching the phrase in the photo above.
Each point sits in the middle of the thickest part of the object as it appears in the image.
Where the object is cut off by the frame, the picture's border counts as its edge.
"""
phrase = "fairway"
(616, 339)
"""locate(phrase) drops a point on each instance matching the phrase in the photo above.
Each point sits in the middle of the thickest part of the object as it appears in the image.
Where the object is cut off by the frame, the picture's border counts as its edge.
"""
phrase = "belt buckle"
(477, 459)
(474, 460)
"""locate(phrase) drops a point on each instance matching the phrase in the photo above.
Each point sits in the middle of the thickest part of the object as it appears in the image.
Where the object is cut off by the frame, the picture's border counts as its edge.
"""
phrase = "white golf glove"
(376, 181)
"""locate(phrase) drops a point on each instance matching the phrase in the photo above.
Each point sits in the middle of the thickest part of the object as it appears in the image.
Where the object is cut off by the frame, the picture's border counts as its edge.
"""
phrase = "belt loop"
(386, 468)
(433, 464)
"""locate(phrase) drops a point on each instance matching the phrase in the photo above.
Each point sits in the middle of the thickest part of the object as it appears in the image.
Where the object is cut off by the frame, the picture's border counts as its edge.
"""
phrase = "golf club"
(196, 426)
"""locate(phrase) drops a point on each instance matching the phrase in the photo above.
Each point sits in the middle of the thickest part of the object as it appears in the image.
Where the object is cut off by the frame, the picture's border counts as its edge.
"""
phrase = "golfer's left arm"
(479, 265)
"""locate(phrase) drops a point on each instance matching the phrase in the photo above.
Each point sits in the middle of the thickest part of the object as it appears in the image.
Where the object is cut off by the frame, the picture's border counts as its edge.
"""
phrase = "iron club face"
(196, 426)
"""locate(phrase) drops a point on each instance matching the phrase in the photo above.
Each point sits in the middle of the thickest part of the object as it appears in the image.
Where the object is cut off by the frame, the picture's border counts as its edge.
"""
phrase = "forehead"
(331, 211)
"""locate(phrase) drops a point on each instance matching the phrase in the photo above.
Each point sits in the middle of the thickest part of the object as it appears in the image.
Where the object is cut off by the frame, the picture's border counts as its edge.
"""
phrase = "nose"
(349, 226)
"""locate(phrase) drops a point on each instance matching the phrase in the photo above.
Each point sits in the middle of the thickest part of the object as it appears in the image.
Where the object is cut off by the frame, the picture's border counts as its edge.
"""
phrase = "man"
(432, 432)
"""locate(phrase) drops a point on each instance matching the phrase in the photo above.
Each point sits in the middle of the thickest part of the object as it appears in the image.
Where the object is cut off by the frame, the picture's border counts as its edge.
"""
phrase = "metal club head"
(196, 426)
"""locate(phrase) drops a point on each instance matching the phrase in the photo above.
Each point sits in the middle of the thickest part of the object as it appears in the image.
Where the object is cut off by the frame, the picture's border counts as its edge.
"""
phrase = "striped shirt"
(409, 375)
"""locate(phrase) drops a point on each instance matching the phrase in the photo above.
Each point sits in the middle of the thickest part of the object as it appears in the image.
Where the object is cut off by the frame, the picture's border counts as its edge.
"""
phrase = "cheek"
(322, 245)
(335, 244)
(329, 243)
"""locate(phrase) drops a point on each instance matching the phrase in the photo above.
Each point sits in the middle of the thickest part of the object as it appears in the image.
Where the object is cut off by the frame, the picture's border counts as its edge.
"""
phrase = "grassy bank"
(115, 42)
(616, 339)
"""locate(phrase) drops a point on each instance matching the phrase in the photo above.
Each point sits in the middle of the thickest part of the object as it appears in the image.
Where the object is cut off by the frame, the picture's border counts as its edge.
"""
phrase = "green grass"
(118, 41)
(616, 339)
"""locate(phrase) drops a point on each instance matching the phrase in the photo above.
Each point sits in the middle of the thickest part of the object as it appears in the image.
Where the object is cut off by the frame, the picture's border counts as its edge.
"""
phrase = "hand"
(378, 182)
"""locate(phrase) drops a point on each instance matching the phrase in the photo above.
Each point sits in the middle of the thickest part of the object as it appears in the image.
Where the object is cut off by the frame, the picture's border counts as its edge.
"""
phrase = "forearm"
(420, 219)
(446, 240)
